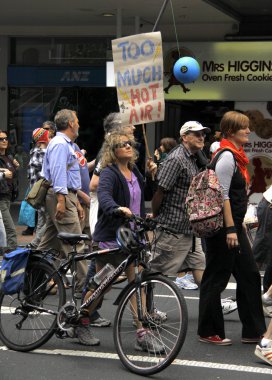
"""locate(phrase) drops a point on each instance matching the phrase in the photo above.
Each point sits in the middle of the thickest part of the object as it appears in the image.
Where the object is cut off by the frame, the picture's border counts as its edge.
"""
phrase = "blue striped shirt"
(60, 164)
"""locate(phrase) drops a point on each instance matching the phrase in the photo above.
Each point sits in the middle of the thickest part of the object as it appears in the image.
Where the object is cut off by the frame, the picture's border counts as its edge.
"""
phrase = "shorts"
(172, 255)
(114, 259)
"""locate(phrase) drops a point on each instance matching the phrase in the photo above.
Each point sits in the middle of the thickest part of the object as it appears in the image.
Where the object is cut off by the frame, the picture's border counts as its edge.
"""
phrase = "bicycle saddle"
(72, 238)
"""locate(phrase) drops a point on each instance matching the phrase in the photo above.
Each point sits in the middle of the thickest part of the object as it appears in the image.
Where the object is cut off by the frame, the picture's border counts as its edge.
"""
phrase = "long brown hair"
(108, 156)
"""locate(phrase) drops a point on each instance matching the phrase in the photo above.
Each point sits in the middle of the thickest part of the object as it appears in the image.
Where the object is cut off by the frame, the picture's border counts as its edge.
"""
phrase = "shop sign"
(56, 76)
(235, 71)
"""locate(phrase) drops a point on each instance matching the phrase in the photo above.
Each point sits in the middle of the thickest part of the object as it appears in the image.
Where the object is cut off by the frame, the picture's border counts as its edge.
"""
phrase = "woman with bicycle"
(121, 187)
(34, 315)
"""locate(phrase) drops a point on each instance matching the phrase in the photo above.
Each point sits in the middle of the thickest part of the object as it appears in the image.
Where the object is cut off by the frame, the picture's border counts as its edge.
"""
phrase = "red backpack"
(205, 202)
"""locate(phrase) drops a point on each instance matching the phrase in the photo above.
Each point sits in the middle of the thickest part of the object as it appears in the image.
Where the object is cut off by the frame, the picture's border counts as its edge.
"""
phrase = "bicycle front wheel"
(28, 319)
(164, 326)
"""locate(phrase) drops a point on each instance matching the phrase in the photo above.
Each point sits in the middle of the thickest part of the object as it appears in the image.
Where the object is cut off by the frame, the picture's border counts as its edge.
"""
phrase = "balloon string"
(175, 27)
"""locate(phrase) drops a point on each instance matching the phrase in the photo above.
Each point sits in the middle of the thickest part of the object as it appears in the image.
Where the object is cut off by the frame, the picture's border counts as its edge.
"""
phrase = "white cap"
(192, 126)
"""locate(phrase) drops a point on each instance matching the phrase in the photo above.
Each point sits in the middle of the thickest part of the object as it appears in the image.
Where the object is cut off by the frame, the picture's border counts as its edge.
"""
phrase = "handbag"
(26, 215)
(37, 194)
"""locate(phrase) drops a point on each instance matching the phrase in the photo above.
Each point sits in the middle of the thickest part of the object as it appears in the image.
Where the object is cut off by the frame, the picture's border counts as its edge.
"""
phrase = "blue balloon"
(186, 70)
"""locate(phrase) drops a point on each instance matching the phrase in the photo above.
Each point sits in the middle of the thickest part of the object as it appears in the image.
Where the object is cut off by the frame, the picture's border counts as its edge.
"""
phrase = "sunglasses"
(123, 144)
(198, 134)
(3, 139)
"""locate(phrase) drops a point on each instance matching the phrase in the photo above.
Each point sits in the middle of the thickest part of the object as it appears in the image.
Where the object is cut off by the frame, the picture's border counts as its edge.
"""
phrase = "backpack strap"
(213, 163)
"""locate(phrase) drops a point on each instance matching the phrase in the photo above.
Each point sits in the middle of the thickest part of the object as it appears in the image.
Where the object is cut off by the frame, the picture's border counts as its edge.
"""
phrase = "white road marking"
(179, 362)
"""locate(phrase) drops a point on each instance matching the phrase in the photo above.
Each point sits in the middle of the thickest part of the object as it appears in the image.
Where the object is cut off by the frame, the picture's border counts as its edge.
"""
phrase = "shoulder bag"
(37, 194)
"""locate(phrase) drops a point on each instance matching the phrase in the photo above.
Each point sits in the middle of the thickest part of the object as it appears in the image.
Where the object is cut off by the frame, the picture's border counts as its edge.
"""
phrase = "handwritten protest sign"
(138, 68)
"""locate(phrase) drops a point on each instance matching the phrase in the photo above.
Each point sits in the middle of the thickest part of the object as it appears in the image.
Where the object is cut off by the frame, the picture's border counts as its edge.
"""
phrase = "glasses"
(3, 139)
(198, 134)
(123, 144)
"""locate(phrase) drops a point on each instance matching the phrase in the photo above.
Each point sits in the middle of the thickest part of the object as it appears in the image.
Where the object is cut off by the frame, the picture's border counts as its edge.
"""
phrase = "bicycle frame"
(102, 288)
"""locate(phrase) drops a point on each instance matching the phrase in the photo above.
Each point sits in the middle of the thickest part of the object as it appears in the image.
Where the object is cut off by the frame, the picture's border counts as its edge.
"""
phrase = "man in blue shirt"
(61, 167)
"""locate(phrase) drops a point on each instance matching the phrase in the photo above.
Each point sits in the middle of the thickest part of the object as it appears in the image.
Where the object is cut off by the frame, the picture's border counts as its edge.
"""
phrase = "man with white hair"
(172, 255)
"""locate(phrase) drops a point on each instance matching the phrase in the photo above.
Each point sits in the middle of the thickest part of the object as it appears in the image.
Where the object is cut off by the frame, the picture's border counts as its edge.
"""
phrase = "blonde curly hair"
(108, 156)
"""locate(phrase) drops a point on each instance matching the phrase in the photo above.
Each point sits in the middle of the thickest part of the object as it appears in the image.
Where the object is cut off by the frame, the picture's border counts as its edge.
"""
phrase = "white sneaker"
(185, 283)
(228, 305)
(264, 353)
(161, 314)
(190, 277)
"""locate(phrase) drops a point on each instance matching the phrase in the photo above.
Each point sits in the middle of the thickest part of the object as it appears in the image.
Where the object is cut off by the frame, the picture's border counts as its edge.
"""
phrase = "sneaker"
(157, 316)
(100, 322)
(264, 353)
(161, 314)
(185, 283)
(215, 339)
(251, 340)
(267, 301)
(228, 305)
(147, 341)
(85, 336)
(190, 277)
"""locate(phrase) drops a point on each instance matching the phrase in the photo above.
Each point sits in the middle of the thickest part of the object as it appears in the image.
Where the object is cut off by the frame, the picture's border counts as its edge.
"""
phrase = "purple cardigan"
(112, 193)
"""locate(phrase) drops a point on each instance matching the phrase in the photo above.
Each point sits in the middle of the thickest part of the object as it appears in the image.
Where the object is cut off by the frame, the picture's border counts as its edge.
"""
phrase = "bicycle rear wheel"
(23, 326)
(165, 321)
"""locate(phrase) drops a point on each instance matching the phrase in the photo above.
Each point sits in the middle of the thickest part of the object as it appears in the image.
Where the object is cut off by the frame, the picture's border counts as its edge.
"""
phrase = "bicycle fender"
(41, 257)
(144, 275)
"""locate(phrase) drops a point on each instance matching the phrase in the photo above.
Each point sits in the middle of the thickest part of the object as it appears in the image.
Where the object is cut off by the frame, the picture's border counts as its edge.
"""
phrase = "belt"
(72, 191)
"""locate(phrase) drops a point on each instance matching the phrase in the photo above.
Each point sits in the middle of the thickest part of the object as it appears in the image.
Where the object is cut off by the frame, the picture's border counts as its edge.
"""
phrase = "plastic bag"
(26, 215)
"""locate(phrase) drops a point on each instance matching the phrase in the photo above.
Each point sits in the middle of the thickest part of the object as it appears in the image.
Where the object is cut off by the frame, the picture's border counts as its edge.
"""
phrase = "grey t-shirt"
(224, 170)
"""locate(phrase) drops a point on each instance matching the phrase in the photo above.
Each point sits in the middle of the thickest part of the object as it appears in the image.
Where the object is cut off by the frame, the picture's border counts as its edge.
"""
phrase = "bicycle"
(29, 318)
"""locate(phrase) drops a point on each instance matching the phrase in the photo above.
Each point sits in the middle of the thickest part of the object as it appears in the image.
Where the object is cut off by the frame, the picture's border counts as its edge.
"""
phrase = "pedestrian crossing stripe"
(177, 362)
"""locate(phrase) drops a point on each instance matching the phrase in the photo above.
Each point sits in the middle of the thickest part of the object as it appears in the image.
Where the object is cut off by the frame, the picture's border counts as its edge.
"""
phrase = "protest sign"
(138, 69)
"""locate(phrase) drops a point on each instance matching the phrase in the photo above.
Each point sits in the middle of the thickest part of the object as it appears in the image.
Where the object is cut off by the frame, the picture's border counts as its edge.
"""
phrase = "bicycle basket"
(127, 240)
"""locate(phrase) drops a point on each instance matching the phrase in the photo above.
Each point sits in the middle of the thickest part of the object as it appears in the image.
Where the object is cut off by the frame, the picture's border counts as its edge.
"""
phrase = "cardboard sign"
(138, 68)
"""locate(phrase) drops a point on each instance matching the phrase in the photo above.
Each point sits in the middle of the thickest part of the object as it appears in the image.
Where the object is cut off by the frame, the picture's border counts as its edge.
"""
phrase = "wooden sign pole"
(146, 144)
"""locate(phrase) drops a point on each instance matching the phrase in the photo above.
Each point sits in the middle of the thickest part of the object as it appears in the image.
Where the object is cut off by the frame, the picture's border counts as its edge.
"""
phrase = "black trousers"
(221, 262)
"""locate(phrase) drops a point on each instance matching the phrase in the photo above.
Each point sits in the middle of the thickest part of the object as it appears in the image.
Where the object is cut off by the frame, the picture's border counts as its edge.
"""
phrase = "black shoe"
(29, 245)
(28, 231)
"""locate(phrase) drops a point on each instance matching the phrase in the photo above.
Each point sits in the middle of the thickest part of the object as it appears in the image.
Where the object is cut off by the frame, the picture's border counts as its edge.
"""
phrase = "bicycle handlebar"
(148, 224)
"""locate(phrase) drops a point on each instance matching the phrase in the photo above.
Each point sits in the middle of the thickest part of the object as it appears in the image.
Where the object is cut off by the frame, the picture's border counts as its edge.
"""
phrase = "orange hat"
(40, 135)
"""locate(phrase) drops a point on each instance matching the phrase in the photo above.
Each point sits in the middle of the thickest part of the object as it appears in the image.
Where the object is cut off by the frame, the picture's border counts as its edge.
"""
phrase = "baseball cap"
(40, 135)
(192, 126)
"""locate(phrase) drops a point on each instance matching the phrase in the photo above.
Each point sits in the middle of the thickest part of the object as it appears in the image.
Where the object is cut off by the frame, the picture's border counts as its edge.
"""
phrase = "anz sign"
(76, 76)
(57, 76)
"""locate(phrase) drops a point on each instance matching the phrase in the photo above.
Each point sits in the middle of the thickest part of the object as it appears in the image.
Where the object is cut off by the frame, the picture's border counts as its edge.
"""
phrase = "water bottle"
(103, 273)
